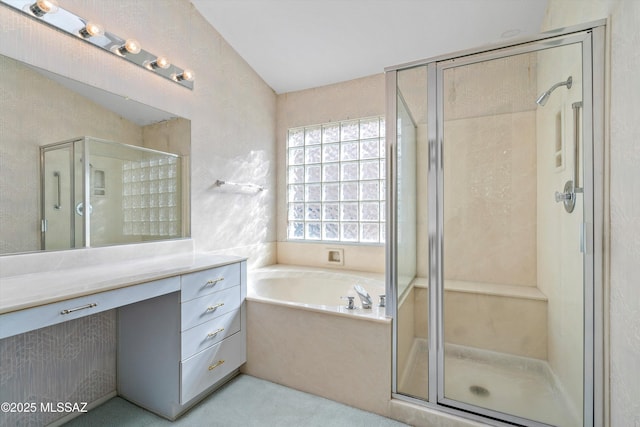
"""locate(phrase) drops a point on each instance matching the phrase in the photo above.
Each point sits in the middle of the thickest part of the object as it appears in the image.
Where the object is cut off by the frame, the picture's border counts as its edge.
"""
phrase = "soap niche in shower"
(99, 187)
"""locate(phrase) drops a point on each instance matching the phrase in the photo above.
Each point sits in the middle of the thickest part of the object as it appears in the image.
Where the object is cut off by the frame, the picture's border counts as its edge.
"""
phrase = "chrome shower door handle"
(59, 204)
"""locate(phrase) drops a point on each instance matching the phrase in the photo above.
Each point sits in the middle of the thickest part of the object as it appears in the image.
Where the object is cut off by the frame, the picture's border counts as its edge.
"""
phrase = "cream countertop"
(31, 290)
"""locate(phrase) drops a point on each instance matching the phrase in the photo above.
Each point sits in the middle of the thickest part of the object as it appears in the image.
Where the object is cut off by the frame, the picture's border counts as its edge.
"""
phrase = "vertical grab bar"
(576, 137)
(59, 204)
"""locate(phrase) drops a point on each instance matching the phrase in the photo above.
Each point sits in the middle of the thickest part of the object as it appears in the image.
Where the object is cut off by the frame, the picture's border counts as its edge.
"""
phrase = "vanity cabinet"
(173, 350)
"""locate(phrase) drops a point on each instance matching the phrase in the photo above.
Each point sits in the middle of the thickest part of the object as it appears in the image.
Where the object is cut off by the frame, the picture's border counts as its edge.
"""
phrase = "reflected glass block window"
(150, 197)
(336, 182)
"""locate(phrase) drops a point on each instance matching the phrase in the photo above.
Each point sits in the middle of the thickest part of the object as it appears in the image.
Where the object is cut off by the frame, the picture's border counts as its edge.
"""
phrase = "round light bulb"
(132, 46)
(188, 75)
(91, 29)
(162, 62)
(42, 7)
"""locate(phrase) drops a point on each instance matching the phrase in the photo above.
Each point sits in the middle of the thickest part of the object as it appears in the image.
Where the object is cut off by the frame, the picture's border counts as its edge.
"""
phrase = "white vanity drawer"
(204, 282)
(50, 314)
(203, 370)
(207, 334)
(208, 307)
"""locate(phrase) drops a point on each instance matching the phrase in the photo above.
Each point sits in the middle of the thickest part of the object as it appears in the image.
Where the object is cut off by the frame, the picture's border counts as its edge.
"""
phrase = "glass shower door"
(512, 227)
(57, 201)
(410, 211)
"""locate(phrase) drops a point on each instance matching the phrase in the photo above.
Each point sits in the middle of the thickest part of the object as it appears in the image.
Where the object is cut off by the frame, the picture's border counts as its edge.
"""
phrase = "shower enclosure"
(122, 194)
(494, 256)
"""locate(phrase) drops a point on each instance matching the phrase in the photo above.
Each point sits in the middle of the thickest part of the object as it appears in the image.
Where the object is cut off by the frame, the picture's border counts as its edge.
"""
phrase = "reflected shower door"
(57, 197)
(512, 262)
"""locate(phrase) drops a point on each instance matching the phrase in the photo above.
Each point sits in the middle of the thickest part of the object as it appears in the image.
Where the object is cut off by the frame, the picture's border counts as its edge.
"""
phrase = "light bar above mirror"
(49, 12)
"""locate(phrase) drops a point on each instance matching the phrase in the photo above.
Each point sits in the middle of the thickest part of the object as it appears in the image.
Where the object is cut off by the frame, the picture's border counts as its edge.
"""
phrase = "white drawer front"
(208, 367)
(209, 333)
(38, 317)
(209, 307)
(201, 283)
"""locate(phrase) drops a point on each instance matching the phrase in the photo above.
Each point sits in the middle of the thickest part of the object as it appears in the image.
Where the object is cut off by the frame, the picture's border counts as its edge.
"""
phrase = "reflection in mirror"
(133, 194)
(135, 182)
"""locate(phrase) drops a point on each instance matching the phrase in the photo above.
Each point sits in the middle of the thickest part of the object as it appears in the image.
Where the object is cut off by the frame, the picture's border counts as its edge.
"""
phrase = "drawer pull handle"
(214, 307)
(214, 281)
(82, 307)
(215, 365)
(213, 334)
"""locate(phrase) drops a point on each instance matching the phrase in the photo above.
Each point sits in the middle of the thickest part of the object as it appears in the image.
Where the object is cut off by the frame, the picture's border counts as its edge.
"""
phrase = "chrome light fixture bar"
(49, 12)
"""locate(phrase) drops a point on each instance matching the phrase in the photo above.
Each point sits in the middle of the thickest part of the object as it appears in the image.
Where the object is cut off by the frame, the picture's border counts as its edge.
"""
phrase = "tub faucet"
(365, 298)
(350, 305)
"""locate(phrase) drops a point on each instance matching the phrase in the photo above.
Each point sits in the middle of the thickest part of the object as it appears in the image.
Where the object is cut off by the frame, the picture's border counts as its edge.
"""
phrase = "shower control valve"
(561, 197)
(568, 196)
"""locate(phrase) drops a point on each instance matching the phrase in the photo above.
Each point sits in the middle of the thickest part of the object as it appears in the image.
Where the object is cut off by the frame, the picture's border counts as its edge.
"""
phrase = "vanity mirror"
(135, 182)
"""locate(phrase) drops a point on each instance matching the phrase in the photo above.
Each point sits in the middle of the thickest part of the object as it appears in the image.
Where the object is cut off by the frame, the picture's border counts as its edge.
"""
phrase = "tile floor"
(244, 401)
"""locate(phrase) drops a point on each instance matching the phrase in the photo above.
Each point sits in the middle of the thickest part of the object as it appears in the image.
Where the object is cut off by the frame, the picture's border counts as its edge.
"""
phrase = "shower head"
(542, 99)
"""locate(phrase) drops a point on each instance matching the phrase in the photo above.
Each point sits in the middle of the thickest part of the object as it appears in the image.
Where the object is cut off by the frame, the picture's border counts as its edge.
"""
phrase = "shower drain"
(479, 390)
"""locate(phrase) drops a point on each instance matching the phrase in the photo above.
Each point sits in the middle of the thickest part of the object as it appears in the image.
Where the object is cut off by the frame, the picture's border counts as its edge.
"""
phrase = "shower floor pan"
(512, 384)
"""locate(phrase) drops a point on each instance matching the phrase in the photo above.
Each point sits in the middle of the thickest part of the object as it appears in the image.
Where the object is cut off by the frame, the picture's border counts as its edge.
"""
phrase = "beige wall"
(168, 136)
(623, 226)
(232, 113)
(348, 100)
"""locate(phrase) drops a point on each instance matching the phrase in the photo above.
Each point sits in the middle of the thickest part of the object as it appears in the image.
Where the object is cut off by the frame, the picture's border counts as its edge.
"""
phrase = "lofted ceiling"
(299, 44)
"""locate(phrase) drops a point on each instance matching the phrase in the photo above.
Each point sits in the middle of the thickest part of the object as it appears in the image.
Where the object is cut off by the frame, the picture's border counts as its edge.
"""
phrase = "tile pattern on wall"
(73, 361)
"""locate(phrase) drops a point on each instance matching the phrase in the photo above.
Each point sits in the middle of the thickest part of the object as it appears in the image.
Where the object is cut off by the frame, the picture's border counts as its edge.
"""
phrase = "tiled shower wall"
(490, 213)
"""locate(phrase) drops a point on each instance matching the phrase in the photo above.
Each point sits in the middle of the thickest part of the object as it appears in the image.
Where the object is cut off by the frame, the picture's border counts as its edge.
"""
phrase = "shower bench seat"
(481, 314)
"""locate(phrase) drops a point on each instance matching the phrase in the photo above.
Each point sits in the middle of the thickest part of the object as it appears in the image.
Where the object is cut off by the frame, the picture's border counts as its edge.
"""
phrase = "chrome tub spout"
(365, 298)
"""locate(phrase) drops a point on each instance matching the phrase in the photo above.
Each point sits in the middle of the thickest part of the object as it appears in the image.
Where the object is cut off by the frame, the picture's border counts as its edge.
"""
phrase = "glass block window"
(336, 182)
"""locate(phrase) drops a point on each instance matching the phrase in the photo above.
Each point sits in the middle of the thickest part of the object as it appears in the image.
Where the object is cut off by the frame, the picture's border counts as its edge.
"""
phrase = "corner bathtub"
(301, 335)
(316, 289)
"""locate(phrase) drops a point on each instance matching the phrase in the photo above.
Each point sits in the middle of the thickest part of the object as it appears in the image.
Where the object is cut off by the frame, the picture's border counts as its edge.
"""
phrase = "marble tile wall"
(489, 169)
(337, 357)
(368, 258)
(490, 199)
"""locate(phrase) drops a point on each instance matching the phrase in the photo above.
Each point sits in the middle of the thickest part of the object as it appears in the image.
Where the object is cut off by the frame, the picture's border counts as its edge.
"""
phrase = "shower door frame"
(72, 196)
(592, 37)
